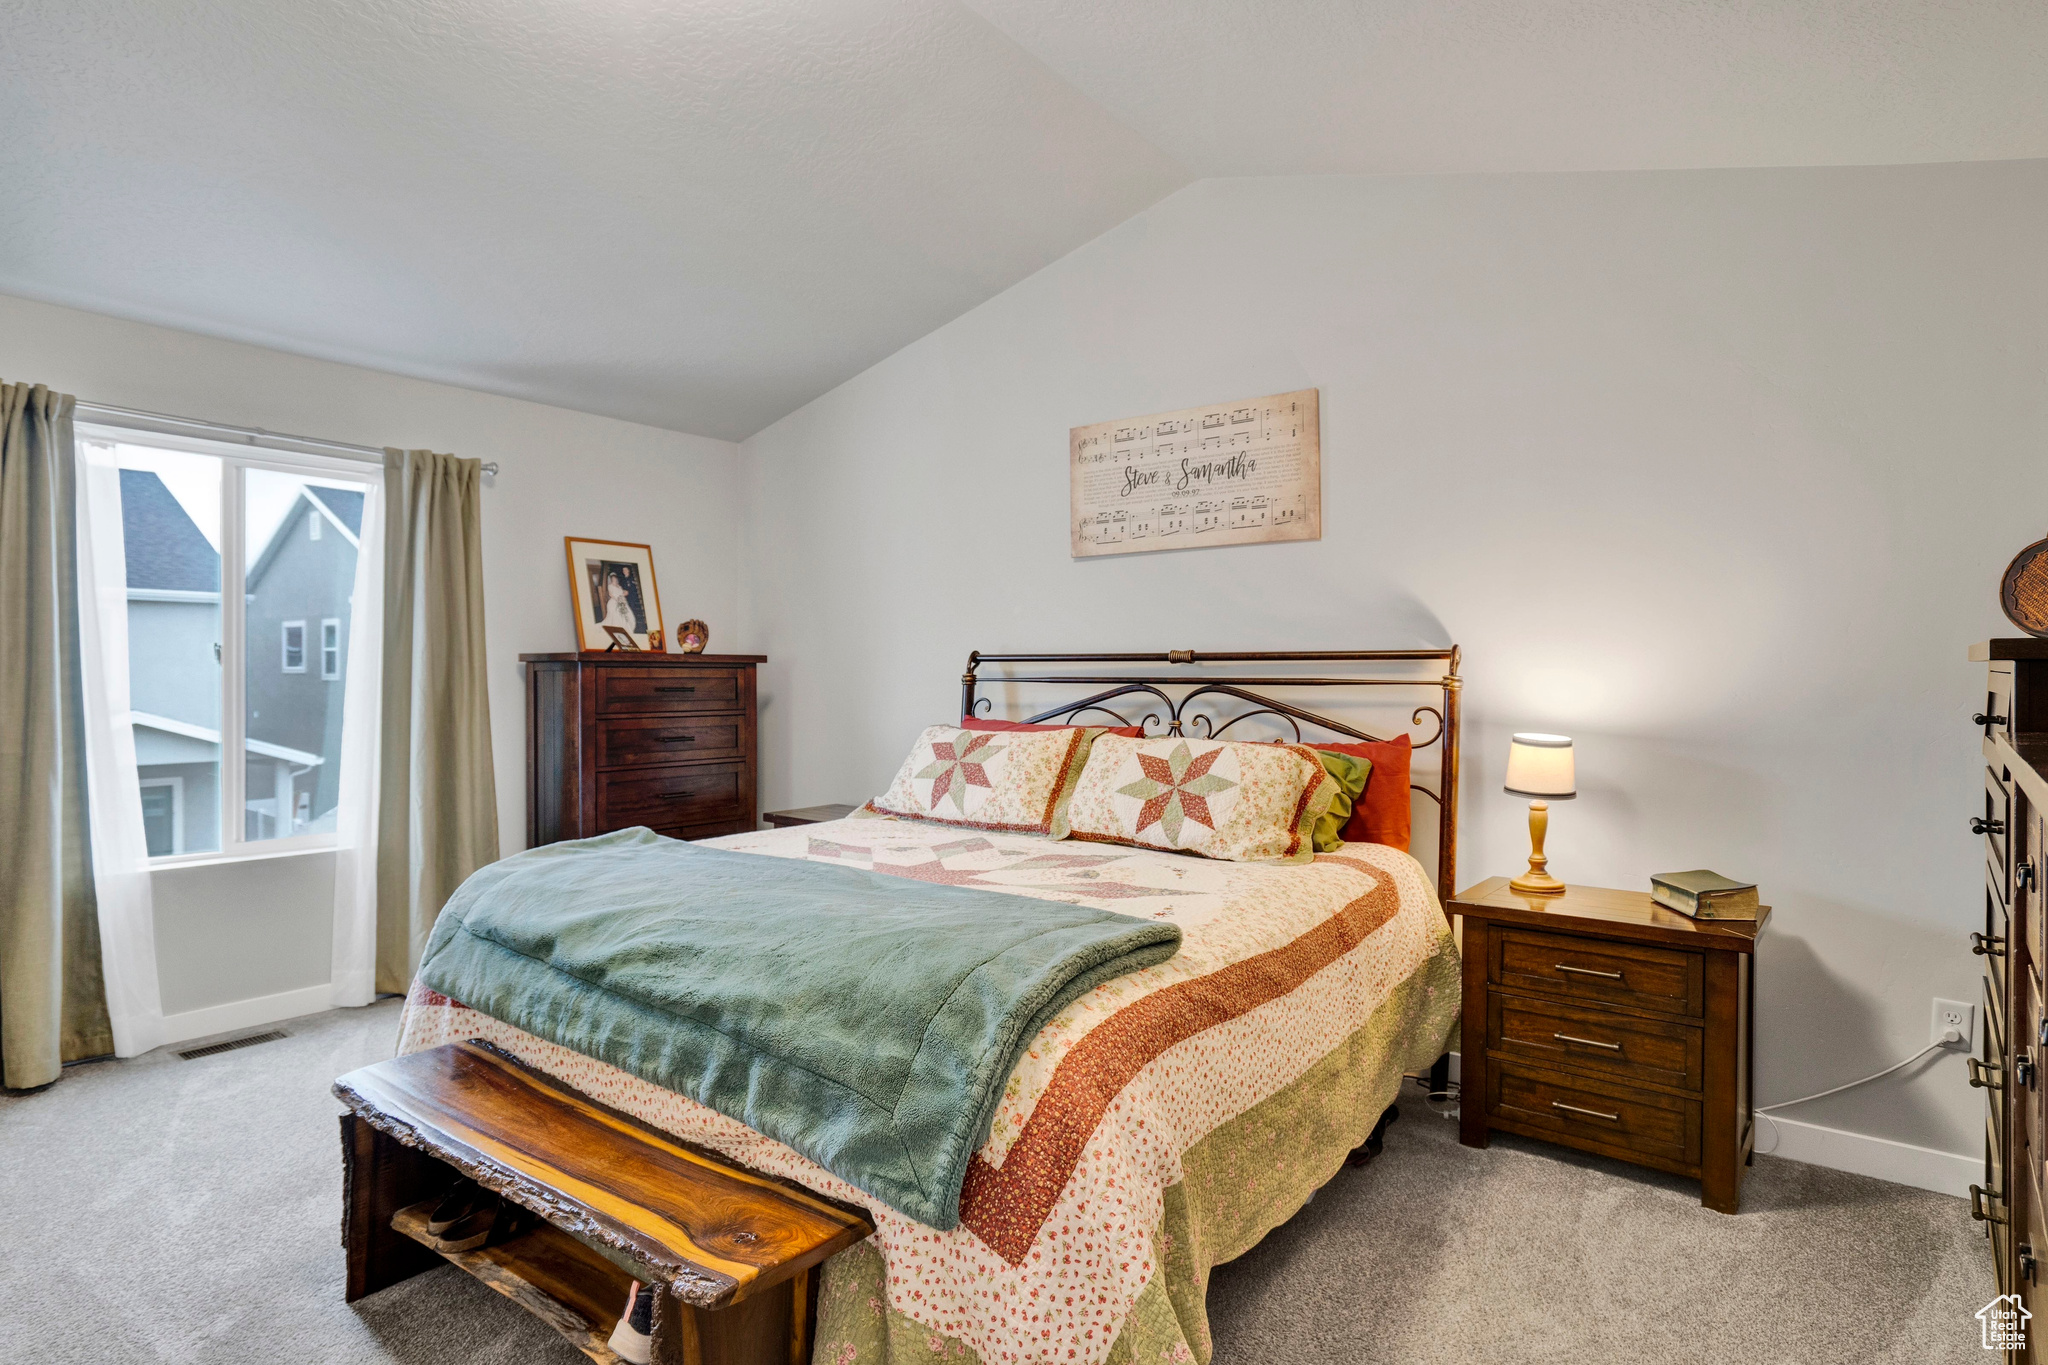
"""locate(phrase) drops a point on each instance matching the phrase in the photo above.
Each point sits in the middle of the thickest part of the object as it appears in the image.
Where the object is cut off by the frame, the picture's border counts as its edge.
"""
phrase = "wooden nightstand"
(1600, 1020)
(808, 815)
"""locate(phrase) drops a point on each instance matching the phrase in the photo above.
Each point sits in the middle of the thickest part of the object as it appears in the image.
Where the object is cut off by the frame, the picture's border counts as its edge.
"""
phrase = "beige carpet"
(164, 1210)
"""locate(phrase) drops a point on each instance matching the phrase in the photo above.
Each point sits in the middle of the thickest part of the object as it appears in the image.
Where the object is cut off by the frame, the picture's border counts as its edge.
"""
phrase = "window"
(163, 815)
(233, 750)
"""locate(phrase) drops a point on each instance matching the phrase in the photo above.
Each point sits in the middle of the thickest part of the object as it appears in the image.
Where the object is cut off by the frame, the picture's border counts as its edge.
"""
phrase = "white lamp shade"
(1541, 766)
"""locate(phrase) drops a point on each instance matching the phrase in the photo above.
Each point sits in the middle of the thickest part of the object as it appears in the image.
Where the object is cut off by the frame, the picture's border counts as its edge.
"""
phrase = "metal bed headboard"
(1177, 719)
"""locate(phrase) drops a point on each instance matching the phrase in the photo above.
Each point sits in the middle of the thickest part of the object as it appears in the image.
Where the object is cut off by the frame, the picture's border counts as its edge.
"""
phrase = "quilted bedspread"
(867, 1021)
(1158, 1125)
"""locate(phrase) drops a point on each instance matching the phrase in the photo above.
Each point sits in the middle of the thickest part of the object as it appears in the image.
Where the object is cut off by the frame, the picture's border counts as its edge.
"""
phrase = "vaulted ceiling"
(701, 215)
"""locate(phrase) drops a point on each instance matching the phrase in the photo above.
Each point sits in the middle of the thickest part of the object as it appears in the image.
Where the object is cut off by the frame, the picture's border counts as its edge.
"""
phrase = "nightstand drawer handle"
(678, 739)
(1589, 1113)
(675, 689)
(1589, 1042)
(1588, 971)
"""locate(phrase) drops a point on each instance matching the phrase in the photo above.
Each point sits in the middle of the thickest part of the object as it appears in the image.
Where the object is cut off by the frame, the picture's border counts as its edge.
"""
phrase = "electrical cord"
(1951, 1039)
(1764, 1111)
(1451, 1092)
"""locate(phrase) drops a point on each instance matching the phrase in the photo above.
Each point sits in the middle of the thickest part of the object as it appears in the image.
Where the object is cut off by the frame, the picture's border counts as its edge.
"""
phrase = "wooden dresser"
(616, 740)
(1600, 1020)
(2013, 721)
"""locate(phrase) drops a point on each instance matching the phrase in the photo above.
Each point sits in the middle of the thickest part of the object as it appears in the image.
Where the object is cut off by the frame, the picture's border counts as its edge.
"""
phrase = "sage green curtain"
(53, 1002)
(437, 801)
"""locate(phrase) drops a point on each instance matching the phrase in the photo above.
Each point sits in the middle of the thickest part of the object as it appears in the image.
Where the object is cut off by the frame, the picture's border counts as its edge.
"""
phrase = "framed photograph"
(617, 604)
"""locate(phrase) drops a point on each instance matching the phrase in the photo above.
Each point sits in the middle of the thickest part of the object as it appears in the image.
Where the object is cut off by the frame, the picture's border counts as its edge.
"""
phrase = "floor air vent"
(193, 1054)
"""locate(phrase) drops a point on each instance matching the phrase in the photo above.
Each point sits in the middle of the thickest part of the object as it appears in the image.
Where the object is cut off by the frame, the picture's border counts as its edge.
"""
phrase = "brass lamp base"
(1536, 881)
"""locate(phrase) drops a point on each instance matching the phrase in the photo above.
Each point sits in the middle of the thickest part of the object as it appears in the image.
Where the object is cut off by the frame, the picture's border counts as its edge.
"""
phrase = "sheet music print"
(1232, 474)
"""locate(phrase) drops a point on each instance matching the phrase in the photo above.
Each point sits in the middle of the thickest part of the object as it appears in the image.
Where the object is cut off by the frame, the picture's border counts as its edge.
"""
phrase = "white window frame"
(312, 525)
(284, 646)
(177, 786)
(330, 654)
(236, 459)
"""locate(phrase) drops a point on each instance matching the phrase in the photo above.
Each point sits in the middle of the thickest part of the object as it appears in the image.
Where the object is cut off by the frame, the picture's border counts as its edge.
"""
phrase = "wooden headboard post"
(1175, 717)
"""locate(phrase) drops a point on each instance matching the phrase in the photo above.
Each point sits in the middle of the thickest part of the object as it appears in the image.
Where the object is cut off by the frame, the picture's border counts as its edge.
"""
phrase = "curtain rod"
(248, 435)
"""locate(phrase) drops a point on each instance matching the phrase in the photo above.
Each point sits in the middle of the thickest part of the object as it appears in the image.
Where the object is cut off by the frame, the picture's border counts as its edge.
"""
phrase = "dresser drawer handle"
(1983, 1205)
(1594, 1042)
(1979, 825)
(1588, 971)
(678, 739)
(1987, 721)
(1987, 946)
(1983, 1077)
(675, 689)
(1589, 1113)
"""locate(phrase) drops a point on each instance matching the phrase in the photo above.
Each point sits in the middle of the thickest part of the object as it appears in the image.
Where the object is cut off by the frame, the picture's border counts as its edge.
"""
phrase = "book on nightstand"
(1704, 895)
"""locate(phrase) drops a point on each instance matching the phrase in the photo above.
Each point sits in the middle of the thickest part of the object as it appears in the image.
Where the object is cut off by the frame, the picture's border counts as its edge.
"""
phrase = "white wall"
(1714, 471)
(226, 934)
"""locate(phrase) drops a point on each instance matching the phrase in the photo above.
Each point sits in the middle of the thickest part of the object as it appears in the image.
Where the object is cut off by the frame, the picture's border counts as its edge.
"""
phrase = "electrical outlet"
(1959, 1015)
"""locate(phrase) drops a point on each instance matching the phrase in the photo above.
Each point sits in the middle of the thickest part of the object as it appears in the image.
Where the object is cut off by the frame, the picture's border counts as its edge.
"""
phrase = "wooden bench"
(616, 1200)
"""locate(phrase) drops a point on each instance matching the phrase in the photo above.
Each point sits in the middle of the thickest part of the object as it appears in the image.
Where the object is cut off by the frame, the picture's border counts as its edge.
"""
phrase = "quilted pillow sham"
(1019, 781)
(1241, 802)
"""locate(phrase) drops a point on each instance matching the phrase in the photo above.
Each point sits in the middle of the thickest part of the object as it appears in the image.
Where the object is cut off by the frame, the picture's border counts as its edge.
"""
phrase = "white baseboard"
(241, 1014)
(1902, 1163)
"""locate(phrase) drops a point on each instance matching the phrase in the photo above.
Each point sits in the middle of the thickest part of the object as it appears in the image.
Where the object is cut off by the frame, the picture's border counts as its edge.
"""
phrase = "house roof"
(165, 548)
(206, 735)
(341, 507)
(347, 507)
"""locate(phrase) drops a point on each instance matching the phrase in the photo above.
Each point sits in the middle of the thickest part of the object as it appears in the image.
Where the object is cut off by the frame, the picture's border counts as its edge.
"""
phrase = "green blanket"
(867, 1021)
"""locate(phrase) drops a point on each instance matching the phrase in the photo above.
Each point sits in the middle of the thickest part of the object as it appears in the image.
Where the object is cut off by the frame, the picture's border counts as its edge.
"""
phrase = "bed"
(1163, 1121)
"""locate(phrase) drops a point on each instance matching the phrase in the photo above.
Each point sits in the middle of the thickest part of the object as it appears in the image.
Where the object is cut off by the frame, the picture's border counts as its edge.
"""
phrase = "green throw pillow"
(1350, 774)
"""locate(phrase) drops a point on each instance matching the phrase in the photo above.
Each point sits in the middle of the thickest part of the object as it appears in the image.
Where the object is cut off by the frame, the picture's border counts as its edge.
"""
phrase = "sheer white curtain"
(120, 850)
(355, 854)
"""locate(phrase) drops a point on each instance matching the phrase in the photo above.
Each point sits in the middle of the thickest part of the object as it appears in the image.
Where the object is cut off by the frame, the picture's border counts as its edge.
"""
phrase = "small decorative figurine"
(693, 636)
(655, 643)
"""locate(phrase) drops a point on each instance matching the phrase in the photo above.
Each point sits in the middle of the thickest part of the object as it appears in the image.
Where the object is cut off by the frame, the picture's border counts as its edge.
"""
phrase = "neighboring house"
(297, 615)
(174, 662)
(173, 666)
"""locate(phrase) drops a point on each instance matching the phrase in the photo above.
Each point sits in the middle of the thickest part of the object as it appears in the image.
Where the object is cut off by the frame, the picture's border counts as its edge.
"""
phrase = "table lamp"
(1539, 766)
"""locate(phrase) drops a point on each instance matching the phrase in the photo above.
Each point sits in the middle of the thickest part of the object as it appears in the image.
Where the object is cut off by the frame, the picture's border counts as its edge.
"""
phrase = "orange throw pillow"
(1381, 814)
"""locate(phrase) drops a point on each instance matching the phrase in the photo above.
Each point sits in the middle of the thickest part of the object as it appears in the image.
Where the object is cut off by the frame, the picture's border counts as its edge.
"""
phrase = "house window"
(163, 815)
(232, 752)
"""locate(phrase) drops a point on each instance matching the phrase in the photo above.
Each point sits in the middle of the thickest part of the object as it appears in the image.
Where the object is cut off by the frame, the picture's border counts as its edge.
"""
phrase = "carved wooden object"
(733, 1249)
